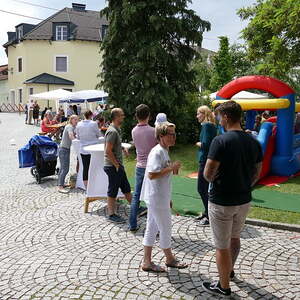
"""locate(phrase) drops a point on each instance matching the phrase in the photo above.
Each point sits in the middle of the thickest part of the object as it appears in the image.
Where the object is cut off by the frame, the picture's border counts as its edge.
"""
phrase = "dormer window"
(61, 32)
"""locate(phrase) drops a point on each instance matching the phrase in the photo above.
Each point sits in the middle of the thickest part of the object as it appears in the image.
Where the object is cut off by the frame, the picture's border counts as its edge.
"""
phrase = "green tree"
(241, 64)
(273, 35)
(294, 81)
(147, 54)
(203, 71)
(222, 71)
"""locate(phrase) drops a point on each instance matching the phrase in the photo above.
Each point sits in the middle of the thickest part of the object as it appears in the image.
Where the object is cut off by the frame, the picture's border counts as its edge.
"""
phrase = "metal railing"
(7, 107)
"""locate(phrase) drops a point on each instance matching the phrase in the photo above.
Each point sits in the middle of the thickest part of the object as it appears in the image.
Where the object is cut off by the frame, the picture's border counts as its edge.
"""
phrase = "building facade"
(60, 52)
(3, 85)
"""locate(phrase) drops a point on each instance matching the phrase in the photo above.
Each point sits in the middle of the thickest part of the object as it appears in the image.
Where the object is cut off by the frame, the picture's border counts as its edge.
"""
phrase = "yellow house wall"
(3, 91)
(39, 57)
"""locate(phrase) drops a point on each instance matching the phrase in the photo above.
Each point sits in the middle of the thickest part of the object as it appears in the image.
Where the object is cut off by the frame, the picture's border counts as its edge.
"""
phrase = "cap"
(160, 118)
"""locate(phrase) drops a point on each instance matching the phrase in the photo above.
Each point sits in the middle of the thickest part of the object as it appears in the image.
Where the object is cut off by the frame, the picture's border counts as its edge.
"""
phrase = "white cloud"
(8, 21)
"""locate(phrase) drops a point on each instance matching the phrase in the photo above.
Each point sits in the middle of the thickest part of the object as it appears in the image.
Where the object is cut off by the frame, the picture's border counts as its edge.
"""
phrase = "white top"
(30, 105)
(157, 192)
(87, 132)
(100, 147)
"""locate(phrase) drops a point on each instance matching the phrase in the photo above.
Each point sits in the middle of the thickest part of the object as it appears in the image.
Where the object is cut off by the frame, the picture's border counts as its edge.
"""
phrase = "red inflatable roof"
(268, 84)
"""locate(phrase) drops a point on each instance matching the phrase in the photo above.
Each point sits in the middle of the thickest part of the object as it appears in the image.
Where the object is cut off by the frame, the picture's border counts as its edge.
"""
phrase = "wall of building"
(39, 57)
(3, 91)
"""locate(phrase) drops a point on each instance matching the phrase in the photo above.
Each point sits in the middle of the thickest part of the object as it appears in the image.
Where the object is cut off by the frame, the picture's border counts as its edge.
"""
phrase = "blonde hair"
(162, 129)
(73, 117)
(208, 115)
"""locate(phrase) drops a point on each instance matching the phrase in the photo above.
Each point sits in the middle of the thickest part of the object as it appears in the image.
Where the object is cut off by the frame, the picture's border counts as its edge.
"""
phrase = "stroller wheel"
(33, 171)
(38, 178)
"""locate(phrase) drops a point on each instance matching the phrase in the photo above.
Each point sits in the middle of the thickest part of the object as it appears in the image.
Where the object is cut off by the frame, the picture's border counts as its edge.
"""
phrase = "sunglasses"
(172, 134)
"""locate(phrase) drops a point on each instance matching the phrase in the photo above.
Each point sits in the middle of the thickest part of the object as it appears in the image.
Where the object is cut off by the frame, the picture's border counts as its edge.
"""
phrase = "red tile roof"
(3, 68)
(3, 72)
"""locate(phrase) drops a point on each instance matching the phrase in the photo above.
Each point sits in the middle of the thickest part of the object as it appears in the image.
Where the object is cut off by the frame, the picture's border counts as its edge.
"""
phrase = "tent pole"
(48, 91)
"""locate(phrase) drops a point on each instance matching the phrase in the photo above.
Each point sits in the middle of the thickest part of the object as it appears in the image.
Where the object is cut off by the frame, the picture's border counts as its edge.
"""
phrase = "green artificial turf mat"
(186, 200)
(276, 200)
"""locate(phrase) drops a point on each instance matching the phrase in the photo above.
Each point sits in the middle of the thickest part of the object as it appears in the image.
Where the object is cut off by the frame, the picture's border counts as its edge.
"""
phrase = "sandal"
(176, 264)
(153, 268)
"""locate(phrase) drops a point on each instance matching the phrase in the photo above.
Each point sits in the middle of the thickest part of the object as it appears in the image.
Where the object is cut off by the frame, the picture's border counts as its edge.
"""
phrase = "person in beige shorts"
(227, 223)
(232, 168)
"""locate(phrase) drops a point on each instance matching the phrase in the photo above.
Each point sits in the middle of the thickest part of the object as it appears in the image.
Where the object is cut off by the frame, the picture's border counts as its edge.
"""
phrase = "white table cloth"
(76, 147)
(98, 180)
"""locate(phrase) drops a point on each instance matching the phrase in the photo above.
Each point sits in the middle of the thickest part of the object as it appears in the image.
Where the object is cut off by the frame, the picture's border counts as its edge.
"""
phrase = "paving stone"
(50, 249)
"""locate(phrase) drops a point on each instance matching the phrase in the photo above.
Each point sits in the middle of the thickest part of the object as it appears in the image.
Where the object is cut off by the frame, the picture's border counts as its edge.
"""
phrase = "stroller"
(41, 155)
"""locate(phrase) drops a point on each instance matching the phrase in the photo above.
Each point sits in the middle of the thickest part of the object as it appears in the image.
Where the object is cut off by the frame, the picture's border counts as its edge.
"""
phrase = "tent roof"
(51, 95)
(241, 95)
(46, 78)
(85, 95)
(248, 95)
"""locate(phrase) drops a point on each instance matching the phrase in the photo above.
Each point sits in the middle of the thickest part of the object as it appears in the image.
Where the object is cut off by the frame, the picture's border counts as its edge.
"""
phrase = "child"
(156, 192)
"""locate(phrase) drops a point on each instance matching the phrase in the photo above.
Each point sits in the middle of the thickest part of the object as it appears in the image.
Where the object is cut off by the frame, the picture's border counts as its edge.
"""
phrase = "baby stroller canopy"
(47, 148)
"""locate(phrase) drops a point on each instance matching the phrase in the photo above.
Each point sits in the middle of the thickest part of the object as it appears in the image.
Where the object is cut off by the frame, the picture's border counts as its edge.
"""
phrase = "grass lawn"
(187, 155)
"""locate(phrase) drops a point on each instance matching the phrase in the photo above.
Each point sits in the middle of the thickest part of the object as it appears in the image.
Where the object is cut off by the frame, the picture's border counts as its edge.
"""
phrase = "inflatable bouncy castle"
(281, 147)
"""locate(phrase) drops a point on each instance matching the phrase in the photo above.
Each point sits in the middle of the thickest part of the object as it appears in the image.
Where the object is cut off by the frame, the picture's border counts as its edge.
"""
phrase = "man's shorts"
(226, 222)
(116, 180)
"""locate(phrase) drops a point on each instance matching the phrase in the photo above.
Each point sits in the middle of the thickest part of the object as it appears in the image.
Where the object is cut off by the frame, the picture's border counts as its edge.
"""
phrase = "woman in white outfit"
(156, 192)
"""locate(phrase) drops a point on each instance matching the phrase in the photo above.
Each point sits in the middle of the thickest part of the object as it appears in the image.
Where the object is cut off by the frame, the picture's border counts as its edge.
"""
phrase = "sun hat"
(160, 118)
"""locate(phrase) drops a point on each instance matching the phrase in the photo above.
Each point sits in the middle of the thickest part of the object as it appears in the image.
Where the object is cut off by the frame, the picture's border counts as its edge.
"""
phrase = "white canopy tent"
(85, 96)
(51, 95)
(242, 95)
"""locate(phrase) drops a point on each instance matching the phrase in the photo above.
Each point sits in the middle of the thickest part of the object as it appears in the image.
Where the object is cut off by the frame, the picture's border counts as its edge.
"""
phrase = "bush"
(187, 126)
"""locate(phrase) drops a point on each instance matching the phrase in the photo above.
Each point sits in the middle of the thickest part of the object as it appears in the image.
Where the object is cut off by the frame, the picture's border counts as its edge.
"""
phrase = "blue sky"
(221, 14)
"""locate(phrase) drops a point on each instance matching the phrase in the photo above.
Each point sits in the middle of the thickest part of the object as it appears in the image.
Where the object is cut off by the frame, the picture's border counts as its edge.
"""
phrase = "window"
(30, 91)
(20, 64)
(61, 33)
(20, 95)
(61, 64)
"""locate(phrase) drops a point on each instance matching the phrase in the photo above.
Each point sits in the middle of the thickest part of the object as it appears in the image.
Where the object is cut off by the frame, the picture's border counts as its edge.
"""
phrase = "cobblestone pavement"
(50, 249)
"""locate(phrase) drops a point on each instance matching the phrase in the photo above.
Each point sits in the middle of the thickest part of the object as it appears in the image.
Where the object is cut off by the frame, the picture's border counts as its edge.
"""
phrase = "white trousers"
(158, 220)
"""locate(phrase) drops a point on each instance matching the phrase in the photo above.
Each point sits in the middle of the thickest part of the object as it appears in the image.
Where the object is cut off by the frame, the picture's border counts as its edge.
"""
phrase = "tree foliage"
(147, 54)
(206, 66)
(222, 71)
(241, 64)
(273, 35)
(203, 72)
